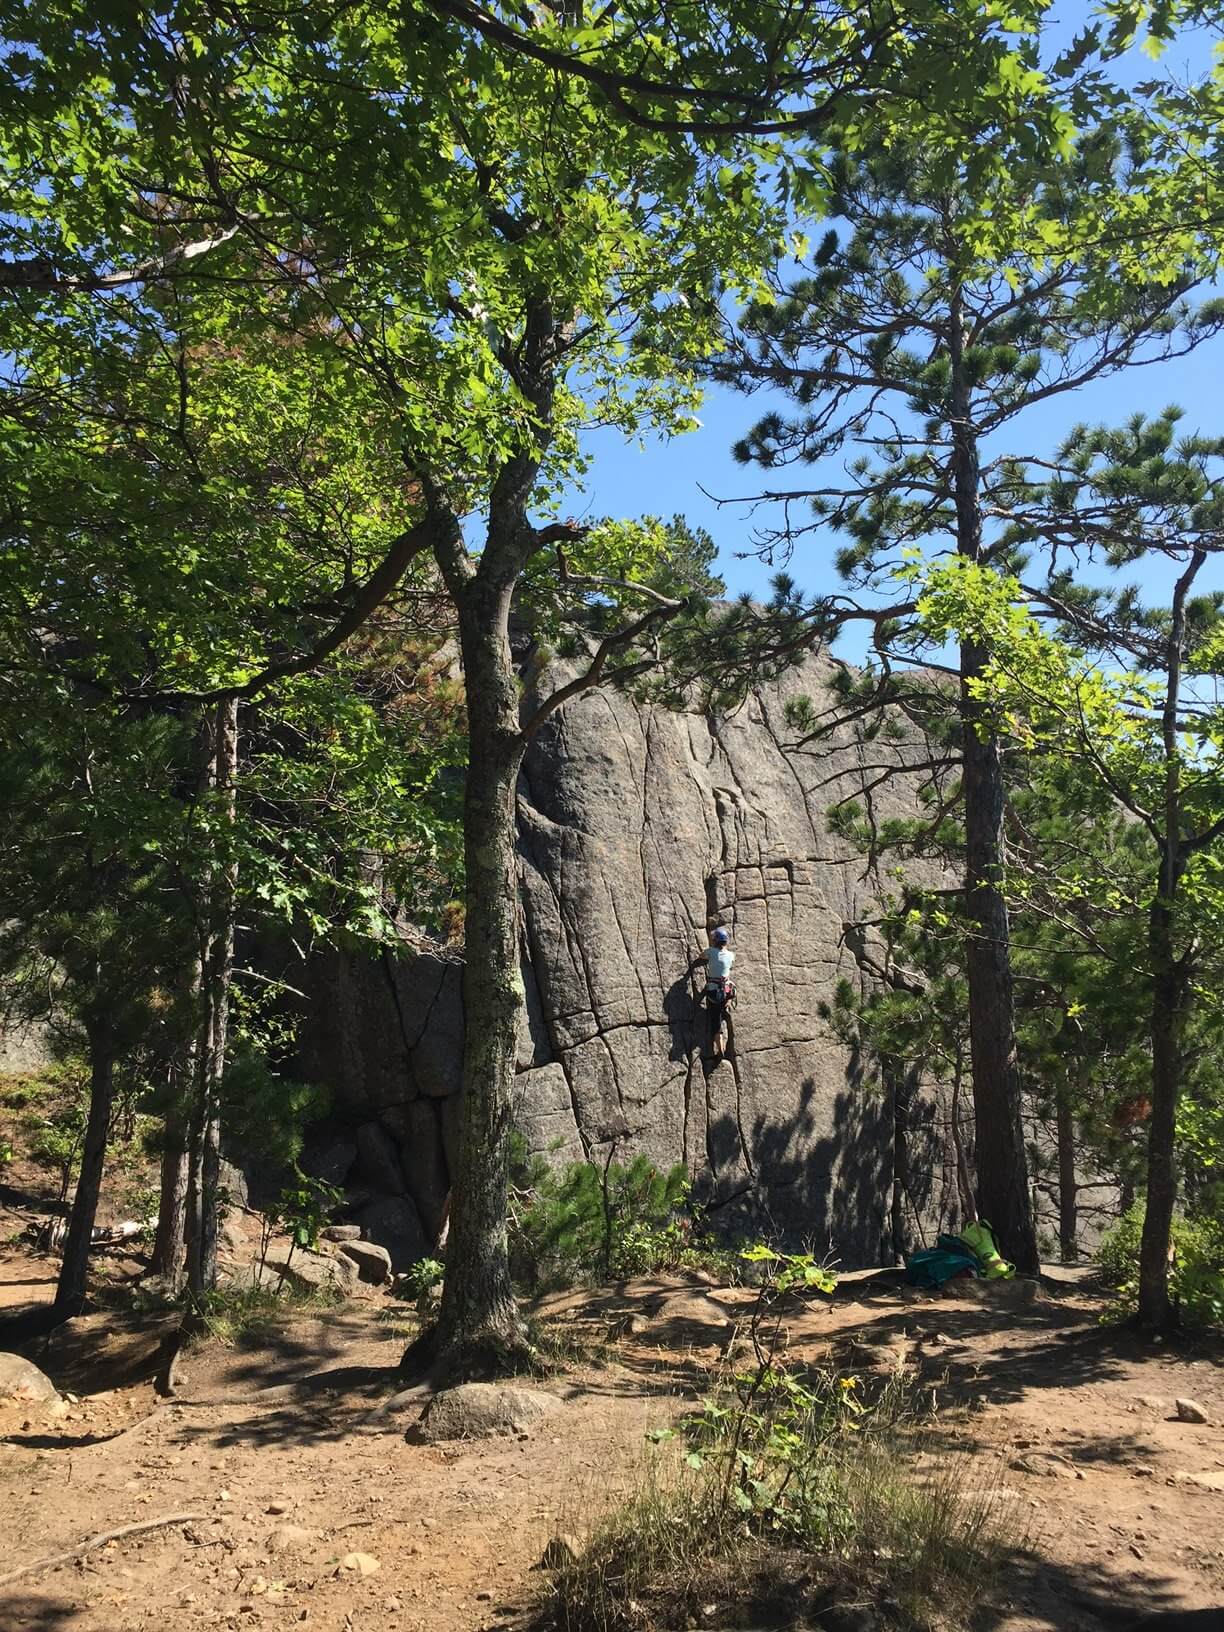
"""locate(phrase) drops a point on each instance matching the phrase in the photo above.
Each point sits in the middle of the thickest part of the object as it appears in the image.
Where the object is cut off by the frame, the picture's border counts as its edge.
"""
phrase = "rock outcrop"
(638, 828)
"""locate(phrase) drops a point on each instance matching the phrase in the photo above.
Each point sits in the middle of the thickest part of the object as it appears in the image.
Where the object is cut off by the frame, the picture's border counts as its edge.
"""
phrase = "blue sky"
(667, 476)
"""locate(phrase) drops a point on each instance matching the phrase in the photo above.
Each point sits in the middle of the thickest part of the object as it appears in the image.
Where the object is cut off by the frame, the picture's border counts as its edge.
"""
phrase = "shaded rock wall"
(637, 827)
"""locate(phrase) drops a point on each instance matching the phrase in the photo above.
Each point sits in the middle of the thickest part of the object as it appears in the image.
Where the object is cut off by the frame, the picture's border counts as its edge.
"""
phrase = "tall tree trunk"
(1068, 1185)
(1002, 1164)
(964, 1187)
(1002, 1167)
(217, 973)
(1167, 1006)
(479, 1326)
(170, 1239)
(1171, 988)
(901, 1097)
(74, 1270)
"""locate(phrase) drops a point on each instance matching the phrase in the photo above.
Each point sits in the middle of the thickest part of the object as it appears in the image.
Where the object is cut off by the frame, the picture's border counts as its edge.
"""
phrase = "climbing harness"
(720, 992)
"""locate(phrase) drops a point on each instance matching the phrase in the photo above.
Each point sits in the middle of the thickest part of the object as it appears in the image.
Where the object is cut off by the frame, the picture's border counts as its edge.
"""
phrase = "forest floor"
(1071, 1420)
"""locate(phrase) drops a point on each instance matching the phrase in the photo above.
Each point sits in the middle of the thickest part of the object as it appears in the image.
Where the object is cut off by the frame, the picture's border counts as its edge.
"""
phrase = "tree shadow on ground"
(1040, 1347)
(1082, 1596)
(280, 1349)
(24, 1611)
(33, 1201)
(27, 1322)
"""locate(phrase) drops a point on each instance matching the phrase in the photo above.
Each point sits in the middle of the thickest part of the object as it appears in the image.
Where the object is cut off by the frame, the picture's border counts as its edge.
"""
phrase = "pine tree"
(1128, 497)
(899, 337)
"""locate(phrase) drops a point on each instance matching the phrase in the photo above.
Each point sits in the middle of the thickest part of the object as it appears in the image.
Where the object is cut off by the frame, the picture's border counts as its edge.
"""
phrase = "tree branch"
(40, 274)
(594, 673)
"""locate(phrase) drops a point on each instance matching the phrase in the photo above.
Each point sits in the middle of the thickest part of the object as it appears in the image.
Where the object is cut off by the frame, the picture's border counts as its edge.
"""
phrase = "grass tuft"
(237, 1315)
(849, 1515)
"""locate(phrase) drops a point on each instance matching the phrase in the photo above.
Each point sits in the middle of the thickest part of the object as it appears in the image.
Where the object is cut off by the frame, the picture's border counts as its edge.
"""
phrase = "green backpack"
(978, 1238)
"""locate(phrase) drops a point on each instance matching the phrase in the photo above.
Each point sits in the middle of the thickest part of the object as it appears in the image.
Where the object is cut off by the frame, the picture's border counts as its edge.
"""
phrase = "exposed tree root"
(488, 1356)
(277, 1393)
(96, 1542)
(132, 1428)
(406, 1396)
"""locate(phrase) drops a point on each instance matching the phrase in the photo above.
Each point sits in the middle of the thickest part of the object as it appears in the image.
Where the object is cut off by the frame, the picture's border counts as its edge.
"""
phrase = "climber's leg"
(718, 1010)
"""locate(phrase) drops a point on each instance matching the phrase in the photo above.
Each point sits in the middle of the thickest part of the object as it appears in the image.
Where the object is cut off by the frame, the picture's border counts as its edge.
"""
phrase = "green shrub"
(303, 1207)
(1196, 1280)
(608, 1222)
(17, 1090)
(420, 1284)
(54, 1119)
(764, 1431)
(782, 1475)
(265, 1112)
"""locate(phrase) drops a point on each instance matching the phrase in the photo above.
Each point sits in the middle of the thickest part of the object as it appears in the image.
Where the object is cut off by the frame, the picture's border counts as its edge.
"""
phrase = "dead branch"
(98, 1541)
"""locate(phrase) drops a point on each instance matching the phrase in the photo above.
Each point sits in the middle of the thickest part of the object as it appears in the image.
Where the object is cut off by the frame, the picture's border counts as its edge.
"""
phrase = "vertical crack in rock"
(786, 759)
(438, 1110)
(686, 1144)
(733, 1060)
(704, 794)
(643, 832)
(629, 946)
(768, 947)
(385, 963)
(539, 964)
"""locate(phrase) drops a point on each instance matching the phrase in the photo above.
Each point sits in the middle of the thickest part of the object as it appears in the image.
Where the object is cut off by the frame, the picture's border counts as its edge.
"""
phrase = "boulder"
(306, 1271)
(373, 1262)
(417, 1131)
(232, 1238)
(481, 1411)
(695, 1313)
(22, 1382)
(232, 1183)
(1019, 1292)
(1190, 1411)
(393, 1222)
(341, 1232)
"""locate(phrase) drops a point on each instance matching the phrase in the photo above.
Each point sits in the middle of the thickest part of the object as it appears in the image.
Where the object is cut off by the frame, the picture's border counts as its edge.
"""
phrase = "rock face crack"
(639, 827)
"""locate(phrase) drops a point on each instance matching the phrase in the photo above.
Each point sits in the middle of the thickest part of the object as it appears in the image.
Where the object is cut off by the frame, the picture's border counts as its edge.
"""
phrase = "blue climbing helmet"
(721, 937)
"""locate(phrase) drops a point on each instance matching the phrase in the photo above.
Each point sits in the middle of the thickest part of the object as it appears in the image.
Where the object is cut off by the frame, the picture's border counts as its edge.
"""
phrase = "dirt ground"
(271, 1495)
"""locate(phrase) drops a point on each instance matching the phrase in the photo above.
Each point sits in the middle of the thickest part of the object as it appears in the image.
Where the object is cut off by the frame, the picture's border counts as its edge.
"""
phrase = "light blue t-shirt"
(718, 962)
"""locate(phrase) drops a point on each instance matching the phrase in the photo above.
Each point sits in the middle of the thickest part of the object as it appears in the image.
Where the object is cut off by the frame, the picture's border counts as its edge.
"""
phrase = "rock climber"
(719, 991)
